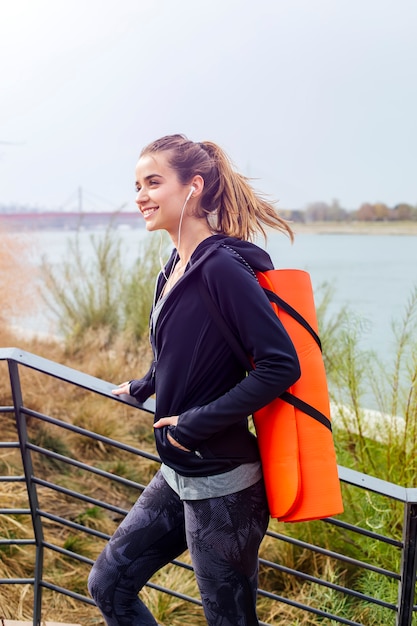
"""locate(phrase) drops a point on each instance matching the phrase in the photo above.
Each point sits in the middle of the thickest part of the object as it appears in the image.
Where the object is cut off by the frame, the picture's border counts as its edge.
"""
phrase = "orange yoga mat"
(297, 451)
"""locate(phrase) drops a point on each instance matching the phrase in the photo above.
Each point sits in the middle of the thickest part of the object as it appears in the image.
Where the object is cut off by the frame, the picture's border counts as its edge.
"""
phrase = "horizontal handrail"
(70, 375)
(97, 385)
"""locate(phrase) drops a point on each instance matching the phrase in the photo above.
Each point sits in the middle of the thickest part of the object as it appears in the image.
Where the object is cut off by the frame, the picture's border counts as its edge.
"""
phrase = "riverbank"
(356, 228)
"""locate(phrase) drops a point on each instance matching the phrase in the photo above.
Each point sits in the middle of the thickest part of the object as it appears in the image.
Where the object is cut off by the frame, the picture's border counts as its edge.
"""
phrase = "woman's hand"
(121, 389)
(170, 421)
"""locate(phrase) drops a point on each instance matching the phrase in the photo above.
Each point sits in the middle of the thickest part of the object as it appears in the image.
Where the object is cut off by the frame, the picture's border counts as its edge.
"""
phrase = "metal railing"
(37, 482)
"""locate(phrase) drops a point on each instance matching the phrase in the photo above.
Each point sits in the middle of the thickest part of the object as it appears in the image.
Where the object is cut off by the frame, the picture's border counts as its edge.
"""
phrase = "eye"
(152, 183)
(137, 188)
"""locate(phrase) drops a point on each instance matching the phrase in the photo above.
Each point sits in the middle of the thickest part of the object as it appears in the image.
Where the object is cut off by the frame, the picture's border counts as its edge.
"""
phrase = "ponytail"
(228, 202)
(241, 212)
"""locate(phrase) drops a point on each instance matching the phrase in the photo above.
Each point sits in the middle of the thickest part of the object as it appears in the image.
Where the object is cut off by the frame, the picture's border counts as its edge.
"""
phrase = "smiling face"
(160, 195)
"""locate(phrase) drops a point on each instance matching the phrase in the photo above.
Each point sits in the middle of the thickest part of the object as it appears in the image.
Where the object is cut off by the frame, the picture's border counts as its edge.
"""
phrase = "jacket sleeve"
(247, 310)
(141, 389)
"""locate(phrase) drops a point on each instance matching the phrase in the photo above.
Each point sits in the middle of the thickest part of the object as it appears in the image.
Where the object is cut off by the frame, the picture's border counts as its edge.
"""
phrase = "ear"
(198, 183)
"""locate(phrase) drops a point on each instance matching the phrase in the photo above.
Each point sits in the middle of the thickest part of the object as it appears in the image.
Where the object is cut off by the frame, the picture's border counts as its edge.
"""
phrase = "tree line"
(367, 212)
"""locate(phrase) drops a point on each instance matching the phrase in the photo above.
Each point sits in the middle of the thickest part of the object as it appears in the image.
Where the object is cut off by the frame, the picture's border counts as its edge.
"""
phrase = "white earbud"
(192, 189)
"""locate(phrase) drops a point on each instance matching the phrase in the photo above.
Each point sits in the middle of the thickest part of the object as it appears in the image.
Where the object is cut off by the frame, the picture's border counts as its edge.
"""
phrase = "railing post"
(31, 489)
(407, 585)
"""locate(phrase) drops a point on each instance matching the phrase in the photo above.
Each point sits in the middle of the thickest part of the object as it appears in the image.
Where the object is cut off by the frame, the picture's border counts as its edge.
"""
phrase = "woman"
(208, 495)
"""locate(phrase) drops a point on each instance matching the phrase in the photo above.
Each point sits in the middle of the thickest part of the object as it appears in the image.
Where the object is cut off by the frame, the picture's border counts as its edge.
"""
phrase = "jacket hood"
(256, 257)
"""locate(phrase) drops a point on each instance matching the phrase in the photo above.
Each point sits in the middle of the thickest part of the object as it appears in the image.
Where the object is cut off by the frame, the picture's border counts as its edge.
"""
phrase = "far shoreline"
(355, 228)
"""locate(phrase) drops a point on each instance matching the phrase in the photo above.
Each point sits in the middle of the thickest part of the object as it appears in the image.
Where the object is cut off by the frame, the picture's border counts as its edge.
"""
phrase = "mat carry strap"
(236, 347)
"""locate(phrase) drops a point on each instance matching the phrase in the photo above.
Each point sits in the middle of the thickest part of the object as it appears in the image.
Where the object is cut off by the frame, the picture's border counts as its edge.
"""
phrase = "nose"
(141, 197)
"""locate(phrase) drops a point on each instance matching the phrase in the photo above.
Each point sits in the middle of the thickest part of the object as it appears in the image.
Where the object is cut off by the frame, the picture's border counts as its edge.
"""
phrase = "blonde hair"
(228, 201)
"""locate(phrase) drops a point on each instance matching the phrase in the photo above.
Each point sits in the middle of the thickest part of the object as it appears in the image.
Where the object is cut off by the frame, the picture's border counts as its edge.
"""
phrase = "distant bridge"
(62, 220)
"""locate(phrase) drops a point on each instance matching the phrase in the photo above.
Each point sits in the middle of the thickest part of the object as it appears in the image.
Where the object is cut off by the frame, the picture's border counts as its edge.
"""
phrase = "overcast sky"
(316, 99)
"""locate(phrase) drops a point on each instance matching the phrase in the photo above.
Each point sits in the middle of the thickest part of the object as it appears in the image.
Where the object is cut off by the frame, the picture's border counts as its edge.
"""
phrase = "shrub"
(16, 277)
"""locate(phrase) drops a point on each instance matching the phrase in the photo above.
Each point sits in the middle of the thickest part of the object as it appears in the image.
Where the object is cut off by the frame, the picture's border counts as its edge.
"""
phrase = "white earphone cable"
(174, 261)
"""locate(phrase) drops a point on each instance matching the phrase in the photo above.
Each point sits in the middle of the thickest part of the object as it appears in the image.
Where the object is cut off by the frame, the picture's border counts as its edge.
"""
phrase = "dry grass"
(121, 422)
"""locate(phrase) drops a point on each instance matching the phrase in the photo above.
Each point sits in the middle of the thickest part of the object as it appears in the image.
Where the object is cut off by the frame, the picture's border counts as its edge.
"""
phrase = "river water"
(372, 275)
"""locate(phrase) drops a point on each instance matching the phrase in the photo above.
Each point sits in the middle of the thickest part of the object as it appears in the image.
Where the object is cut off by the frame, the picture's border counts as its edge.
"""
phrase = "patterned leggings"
(222, 534)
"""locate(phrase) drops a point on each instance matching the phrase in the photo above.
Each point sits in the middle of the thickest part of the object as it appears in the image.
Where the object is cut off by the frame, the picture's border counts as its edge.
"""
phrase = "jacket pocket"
(170, 454)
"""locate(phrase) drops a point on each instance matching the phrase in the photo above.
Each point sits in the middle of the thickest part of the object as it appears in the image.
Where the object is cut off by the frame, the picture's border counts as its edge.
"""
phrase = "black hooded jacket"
(195, 373)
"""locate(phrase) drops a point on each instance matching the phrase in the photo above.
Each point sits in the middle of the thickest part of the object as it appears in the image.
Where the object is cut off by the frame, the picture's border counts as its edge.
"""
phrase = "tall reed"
(98, 294)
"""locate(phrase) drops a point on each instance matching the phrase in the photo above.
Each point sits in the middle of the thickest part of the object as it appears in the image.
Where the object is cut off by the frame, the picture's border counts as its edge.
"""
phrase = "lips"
(149, 211)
